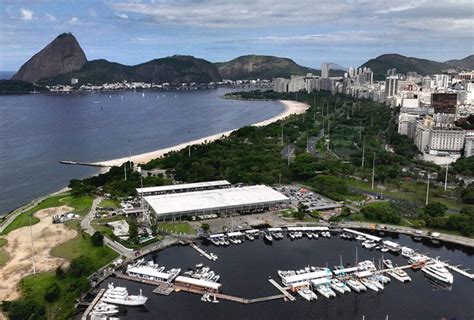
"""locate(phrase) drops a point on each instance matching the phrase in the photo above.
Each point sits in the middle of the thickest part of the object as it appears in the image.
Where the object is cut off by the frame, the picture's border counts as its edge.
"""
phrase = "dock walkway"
(282, 290)
(204, 253)
(85, 315)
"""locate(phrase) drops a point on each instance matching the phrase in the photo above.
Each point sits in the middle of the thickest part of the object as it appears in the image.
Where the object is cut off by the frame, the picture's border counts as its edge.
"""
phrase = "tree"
(97, 239)
(435, 209)
(60, 273)
(24, 309)
(133, 232)
(52, 293)
(205, 227)
(467, 194)
(381, 211)
(81, 266)
(302, 211)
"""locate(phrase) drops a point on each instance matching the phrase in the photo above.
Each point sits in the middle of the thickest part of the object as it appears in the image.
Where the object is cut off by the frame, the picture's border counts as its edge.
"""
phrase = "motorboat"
(268, 236)
(356, 285)
(120, 296)
(395, 272)
(307, 294)
(378, 283)
(360, 238)
(369, 284)
(438, 271)
(339, 286)
(249, 236)
(292, 235)
(104, 309)
(326, 291)
(309, 235)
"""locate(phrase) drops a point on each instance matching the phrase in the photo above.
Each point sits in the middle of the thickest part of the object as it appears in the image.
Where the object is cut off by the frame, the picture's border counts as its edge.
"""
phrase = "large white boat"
(396, 273)
(438, 271)
(326, 291)
(356, 285)
(119, 295)
(307, 294)
(339, 286)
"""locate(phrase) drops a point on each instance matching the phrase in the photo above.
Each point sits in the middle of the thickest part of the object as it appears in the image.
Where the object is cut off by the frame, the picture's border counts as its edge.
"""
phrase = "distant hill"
(467, 63)
(178, 69)
(403, 64)
(263, 67)
(19, 87)
(175, 70)
(62, 55)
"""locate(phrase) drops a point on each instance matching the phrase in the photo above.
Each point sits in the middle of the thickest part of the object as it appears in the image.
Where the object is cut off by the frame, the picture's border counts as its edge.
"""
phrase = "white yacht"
(369, 284)
(356, 285)
(381, 278)
(326, 291)
(307, 294)
(104, 309)
(339, 286)
(438, 271)
(396, 273)
(119, 295)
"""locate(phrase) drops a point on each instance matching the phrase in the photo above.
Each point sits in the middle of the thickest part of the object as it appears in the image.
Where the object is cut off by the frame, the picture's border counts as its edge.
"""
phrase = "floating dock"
(85, 315)
(202, 252)
(282, 290)
(80, 163)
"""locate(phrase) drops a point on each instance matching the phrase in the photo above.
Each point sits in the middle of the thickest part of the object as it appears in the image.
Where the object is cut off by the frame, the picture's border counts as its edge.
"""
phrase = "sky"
(346, 32)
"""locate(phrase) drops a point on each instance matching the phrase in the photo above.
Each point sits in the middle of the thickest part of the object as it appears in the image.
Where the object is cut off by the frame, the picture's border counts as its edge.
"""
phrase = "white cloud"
(122, 15)
(26, 14)
(73, 20)
(50, 17)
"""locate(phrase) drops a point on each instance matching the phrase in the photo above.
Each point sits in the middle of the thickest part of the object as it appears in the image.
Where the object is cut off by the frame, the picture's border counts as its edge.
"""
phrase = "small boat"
(199, 265)
(326, 291)
(104, 309)
(339, 286)
(356, 285)
(396, 273)
(383, 279)
(268, 236)
(249, 236)
(360, 238)
(309, 235)
(378, 283)
(369, 284)
(307, 294)
(292, 235)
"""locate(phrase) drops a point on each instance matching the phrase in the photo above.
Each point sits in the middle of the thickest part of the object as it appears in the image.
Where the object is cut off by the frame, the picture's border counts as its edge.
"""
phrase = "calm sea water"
(245, 269)
(38, 131)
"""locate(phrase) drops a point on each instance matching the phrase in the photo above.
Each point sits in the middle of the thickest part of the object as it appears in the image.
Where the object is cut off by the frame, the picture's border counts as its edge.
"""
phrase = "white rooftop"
(213, 199)
(218, 183)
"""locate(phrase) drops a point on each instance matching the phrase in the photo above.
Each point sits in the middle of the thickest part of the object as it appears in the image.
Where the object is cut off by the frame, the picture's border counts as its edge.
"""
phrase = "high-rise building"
(351, 72)
(391, 86)
(325, 70)
(280, 85)
(444, 102)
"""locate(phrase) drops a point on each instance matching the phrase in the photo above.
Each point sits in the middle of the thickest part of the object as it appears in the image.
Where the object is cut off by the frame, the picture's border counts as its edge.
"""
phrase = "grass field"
(81, 206)
(109, 203)
(177, 227)
(81, 245)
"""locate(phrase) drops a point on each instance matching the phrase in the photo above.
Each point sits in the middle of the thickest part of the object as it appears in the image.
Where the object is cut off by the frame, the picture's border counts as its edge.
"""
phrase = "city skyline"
(347, 33)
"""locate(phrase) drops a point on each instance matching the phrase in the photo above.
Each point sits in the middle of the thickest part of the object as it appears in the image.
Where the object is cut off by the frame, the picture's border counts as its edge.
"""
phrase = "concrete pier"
(85, 315)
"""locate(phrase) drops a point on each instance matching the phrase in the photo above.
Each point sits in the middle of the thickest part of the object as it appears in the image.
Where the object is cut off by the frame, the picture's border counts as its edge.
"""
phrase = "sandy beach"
(46, 236)
(291, 107)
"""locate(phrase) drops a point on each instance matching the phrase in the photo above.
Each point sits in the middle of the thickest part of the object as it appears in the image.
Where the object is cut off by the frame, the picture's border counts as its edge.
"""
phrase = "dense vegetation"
(19, 87)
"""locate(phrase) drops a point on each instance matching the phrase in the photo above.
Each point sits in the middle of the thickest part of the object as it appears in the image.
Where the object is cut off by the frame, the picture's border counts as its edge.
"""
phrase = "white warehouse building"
(218, 201)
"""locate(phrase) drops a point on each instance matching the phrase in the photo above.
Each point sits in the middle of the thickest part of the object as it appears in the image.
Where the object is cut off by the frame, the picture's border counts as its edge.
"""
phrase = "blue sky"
(347, 32)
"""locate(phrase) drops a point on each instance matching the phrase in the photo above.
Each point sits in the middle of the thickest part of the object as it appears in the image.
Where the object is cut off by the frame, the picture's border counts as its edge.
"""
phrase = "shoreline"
(290, 108)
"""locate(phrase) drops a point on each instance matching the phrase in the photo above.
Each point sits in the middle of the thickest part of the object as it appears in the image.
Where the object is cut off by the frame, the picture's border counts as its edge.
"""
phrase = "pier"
(85, 315)
(202, 252)
(282, 290)
(80, 163)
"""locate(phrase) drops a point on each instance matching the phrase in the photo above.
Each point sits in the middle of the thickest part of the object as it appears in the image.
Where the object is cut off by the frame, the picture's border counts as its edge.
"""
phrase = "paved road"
(86, 226)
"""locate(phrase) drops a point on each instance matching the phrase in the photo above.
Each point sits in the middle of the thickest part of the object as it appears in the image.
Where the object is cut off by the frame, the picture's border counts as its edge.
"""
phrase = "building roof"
(213, 199)
(149, 272)
(184, 186)
(199, 282)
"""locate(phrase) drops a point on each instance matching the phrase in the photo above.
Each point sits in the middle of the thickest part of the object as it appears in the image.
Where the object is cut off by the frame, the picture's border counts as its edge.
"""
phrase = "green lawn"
(81, 206)
(81, 245)
(3, 253)
(177, 227)
(109, 203)
(99, 224)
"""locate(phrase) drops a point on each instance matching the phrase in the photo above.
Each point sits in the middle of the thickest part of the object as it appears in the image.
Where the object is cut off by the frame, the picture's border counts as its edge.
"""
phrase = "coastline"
(290, 108)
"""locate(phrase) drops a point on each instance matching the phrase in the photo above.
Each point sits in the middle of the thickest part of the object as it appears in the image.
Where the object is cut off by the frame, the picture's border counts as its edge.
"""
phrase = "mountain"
(175, 70)
(62, 55)
(263, 67)
(403, 64)
(467, 63)
(178, 69)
